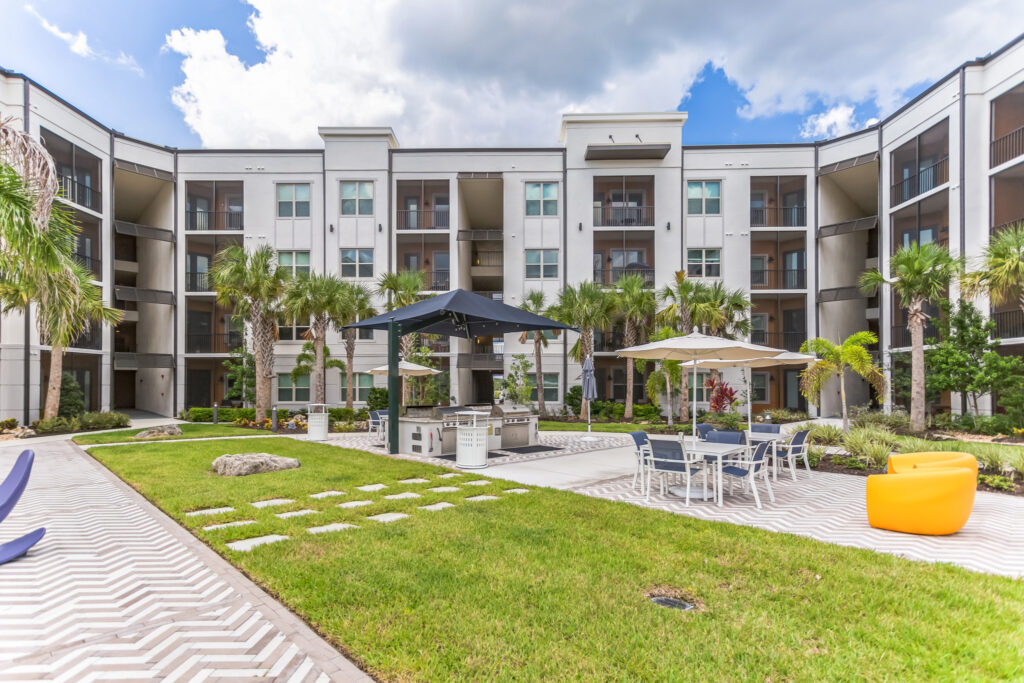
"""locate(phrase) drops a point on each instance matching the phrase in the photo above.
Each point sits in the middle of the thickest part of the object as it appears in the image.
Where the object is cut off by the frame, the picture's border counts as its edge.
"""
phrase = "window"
(287, 330)
(759, 387)
(292, 201)
(704, 262)
(702, 392)
(363, 382)
(357, 263)
(541, 199)
(292, 391)
(550, 387)
(365, 334)
(541, 263)
(704, 197)
(356, 198)
(295, 261)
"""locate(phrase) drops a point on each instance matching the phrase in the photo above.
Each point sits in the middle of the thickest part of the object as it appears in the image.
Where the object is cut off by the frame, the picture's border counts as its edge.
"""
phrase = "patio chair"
(643, 452)
(703, 429)
(373, 422)
(669, 458)
(381, 423)
(716, 436)
(748, 470)
(10, 492)
(767, 428)
(788, 453)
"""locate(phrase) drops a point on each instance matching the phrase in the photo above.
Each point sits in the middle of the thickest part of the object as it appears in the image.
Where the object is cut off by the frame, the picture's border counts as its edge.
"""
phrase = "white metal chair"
(748, 471)
(668, 459)
(788, 453)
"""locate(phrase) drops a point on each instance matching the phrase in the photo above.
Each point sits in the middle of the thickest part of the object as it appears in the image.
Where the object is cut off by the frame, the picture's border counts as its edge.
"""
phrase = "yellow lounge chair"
(923, 493)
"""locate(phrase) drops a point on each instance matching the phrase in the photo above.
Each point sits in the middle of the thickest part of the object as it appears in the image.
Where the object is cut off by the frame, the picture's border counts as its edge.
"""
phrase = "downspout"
(110, 222)
(178, 293)
(565, 270)
(323, 207)
(812, 292)
(26, 361)
(963, 191)
(882, 347)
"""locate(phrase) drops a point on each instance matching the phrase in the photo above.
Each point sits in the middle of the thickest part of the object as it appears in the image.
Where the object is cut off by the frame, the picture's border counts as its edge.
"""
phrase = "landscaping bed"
(188, 431)
(550, 584)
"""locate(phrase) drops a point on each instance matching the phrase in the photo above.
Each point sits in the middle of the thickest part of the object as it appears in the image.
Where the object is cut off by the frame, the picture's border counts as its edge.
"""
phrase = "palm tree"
(688, 305)
(306, 361)
(665, 374)
(253, 282)
(587, 307)
(836, 360)
(635, 304)
(1001, 272)
(315, 298)
(918, 274)
(534, 303)
(727, 311)
(355, 304)
(402, 289)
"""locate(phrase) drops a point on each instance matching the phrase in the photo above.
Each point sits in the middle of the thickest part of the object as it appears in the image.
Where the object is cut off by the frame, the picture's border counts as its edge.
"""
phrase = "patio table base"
(696, 492)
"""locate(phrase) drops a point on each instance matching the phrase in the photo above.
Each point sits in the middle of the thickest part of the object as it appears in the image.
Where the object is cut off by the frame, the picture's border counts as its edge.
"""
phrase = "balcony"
(436, 343)
(489, 259)
(778, 279)
(94, 264)
(481, 361)
(480, 235)
(214, 220)
(1009, 324)
(90, 339)
(924, 180)
(198, 282)
(416, 219)
(212, 343)
(436, 280)
(778, 217)
(609, 277)
(790, 341)
(608, 342)
(841, 294)
(80, 193)
(624, 201)
(125, 294)
(621, 216)
(1007, 147)
(140, 361)
(901, 335)
(422, 205)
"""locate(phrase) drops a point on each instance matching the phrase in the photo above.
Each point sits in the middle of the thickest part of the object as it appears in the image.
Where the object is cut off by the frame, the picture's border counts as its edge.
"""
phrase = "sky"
(266, 73)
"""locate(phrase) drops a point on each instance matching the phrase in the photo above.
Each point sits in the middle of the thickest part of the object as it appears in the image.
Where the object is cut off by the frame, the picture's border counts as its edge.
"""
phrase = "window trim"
(557, 200)
(704, 197)
(358, 182)
(704, 262)
(358, 250)
(293, 387)
(767, 387)
(293, 201)
(356, 379)
(542, 264)
(292, 265)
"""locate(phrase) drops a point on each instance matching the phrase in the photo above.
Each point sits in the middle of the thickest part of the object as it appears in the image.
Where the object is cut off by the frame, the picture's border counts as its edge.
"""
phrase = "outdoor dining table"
(708, 449)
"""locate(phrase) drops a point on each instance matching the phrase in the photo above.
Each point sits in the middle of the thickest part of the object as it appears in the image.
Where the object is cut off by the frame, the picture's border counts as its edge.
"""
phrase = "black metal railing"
(922, 181)
(790, 341)
(1009, 324)
(620, 216)
(608, 341)
(90, 339)
(1009, 146)
(610, 277)
(415, 219)
(198, 282)
(94, 264)
(488, 258)
(784, 278)
(1008, 224)
(214, 220)
(436, 280)
(778, 217)
(901, 335)
(212, 343)
(437, 344)
(493, 295)
(80, 193)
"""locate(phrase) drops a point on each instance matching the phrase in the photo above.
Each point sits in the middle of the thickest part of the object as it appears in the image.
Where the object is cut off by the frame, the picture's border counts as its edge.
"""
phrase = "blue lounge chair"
(748, 470)
(10, 492)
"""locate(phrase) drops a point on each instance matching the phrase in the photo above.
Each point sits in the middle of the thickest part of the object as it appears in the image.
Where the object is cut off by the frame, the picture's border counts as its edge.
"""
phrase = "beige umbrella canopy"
(407, 369)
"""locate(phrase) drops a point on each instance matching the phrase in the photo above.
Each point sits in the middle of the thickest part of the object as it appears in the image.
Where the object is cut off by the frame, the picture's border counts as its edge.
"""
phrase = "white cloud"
(488, 72)
(78, 43)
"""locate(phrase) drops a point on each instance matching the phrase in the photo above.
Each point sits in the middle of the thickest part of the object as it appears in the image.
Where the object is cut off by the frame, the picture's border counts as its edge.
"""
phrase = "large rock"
(241, 464)
(23, 432)
(163, 430)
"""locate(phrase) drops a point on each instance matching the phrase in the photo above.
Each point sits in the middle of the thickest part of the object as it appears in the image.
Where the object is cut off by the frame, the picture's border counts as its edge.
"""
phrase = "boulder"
(23, 432)
(163, 430)
(242, 464)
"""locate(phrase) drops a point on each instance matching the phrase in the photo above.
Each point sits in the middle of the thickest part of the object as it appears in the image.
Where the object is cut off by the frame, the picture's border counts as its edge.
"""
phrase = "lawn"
(550, 584)
(615, 427)
(188, 431)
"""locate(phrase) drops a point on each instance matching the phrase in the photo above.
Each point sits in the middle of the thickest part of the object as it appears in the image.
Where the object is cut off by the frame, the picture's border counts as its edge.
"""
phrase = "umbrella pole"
(750, 400)
(394, 386)
(693, 403)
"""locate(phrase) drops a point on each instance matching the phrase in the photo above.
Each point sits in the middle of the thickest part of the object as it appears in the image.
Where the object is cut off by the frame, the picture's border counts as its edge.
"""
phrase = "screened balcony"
(924, 222)
(422, 205)
(619, 253)
(920, 165)
(1007, 197)
(429, 255)
(78, 172)
(778, 201)
(214, 205)
(1007, 127)
(624, 201)
(778, 260)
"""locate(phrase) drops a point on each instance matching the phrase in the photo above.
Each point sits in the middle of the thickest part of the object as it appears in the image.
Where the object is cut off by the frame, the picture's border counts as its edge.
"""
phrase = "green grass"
(188, 431)
(551, 584)
(615, 427)
(992, 455)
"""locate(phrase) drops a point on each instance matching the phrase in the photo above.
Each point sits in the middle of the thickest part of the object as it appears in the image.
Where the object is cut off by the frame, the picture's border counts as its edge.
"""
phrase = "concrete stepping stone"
(388, 517)
(517, 490)
(208, 511)
(414, 480)
(272, 502)
(476, 498)
(400, 496)
(244, 522)
(295, 513)
(449, 475)
(372, 487)
(478, 482)
(327, 494)
(355, 503)
(337, 526)
(247, 544)
(444, 489)
(437, 506)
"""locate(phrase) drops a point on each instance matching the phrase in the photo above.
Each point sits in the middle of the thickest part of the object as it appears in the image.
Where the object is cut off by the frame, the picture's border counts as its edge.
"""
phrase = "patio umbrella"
(407, 369)
(695, 347)
(589, 385)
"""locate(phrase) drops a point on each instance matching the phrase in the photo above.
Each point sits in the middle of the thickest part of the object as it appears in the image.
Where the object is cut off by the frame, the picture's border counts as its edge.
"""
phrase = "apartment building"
(791, 225)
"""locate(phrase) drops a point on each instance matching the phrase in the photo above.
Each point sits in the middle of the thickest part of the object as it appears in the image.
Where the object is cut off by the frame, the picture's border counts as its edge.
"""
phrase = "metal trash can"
(471, 441)
(317, 421)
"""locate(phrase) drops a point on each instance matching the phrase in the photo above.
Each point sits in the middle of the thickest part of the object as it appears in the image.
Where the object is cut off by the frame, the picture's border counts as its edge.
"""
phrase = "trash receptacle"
(471, 441)
(317, 419)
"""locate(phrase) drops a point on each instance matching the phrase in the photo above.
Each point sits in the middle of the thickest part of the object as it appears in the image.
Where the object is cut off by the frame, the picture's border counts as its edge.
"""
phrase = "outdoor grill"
(518, 425)
(431, 430)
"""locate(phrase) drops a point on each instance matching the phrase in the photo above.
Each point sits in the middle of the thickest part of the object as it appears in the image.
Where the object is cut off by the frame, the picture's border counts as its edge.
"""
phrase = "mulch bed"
(828, 464)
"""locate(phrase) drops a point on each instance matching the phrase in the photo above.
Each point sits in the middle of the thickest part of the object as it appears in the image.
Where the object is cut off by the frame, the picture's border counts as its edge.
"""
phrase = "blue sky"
(191, 73)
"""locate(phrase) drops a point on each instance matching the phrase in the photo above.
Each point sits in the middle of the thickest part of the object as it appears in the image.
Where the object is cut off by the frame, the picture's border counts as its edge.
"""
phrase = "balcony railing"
(610, 277)
(1002, 226)
(214, 220)
(80, 193)
(1009, 146)
(901, 335)
(605, 342)
(784, 278)
(926, 179)
(778, 217)
(482, 361)
(90, 339)
(212, 343)
(488, 258)
(620, 216)
(198, 282)
(790, 341)
(436, 280)
(1009, 324)
(437, 344)
(94, 265)
(415, 219)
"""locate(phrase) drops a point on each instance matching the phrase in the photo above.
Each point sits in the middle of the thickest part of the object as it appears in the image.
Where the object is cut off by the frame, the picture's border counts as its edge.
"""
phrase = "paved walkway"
(116, 589)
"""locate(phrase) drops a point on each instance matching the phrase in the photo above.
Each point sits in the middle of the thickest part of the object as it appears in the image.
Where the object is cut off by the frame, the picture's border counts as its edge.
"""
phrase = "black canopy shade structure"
(457, 313)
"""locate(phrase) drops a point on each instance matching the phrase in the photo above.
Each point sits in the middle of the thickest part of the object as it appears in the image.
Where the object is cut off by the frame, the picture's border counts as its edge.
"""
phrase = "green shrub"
(230, 414)
(103, 420)
(647, 412)
(574, 399)
(784, 415)
(377, 399)
(871, 445)
(57, 425)
(9, 423)
(996, 481)
(72, 398)
(822, 434)
(344, 427)
(814, 456)
(897, 419)
(348, 414)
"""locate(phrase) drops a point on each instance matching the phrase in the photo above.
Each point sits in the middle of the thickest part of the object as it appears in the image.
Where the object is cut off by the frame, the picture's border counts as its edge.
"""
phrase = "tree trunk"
(350, 358)
(842, 398)
(586, 344)
(1020, 301)
(917, 377)
(629, 339)
(263, 355)
(668, 395)
(53, 384)
(320, 394)
(538, 338)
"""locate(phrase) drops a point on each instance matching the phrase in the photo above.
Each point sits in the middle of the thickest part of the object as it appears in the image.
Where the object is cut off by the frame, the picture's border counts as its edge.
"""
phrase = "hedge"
(229, 414)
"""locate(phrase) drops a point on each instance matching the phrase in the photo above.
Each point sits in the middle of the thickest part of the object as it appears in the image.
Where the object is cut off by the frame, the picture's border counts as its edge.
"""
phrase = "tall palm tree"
(252, 282)
(587, 307)
(1001, 271)
(534, 303)
(918, 274)
(635, 304)
(316, 298)
(401, 289)
(355, 304)
(835, 360)
(666, 373)
(686, 304)
(728, 311)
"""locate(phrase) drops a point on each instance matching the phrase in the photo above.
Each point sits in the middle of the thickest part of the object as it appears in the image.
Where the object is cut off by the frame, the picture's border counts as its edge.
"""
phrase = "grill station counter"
(431, 430)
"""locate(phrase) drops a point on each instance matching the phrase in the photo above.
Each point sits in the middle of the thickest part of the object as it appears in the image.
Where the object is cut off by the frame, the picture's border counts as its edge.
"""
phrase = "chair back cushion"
(766, 428)
(382, 413)
(640, 438)
(703, 429)
(760, 452)
(715, 436)
(799, 438)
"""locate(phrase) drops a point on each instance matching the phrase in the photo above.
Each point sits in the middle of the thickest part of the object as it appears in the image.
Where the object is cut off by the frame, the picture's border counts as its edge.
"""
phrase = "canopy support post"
(394, 385)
